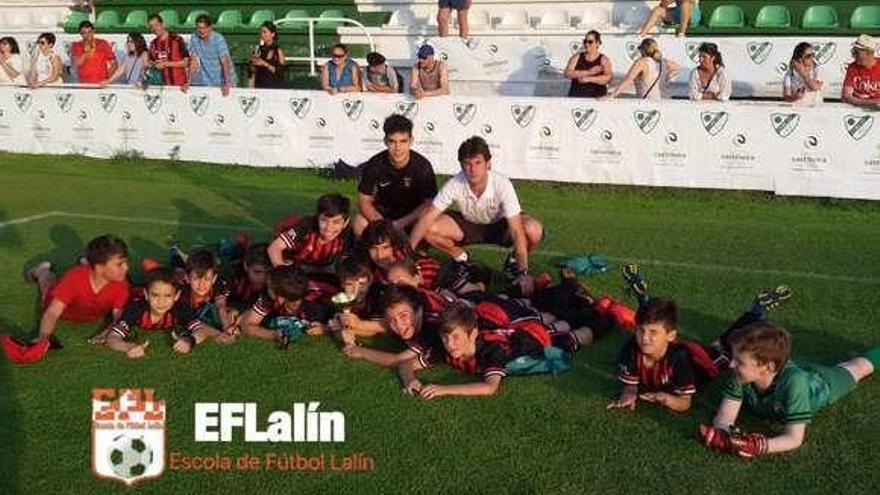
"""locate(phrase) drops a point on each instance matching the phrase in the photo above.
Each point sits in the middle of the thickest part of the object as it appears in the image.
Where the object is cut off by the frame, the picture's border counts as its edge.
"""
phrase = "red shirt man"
(861, 86)
(93, 58)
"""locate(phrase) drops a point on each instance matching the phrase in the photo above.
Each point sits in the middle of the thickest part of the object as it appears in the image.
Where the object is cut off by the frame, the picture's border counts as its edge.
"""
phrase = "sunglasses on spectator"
(338, 55)
(588, 41)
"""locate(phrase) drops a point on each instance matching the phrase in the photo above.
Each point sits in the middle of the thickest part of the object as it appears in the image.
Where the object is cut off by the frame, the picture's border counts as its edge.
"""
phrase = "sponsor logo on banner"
(544, 144)
(464, 112)
(713, 122)
(153, 102)
(672, 138)
(759, 51)
(172, 119)
(606, 135)
(408, 109)
(320, 122)
(442, 55)
(23, 101)
(693, 51)
(300, 107)
(219, 121)
(491, 48)
(249, 105)
(782, 68)
(430, 127)
(270, 135)
(64, 101)
(740, 140)
(738, 154)
(523, 114)
(646, 120)
(632, 50)
(374, 124)
(128, 435)
(107, 101)
(126, 129)
(353, 108)
(784, 124)
(858, 126)
(83, 116)
(812, 142)
(126, 115)
(199, 104)
(824, 52)
(487, 129)
(5, 129)
(583, 118)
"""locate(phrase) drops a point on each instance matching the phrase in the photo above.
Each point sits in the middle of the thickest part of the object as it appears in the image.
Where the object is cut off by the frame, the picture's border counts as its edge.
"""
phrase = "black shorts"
(475, 233)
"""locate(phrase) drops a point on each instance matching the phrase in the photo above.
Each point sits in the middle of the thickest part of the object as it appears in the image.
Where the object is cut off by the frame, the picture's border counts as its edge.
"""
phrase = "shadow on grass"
(9, 236)
(11, 436)
(67, 246)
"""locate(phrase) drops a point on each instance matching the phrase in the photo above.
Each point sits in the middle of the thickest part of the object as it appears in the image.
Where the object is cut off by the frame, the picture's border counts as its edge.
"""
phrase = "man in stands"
(210, 62)
(430, 77)
(168, 53)
(93, 58)
(861, 86)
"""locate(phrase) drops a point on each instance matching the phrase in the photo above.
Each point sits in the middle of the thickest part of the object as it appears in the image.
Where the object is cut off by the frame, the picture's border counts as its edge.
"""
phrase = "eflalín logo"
(249, 105)
(23, 101)
(824, 51)
(583, 118)
(759, 51)
(199, 104)
(523, 114)
(646, 120)
(464, 112)
(784, 123)
(300, 107)
(107, 101)
(857, 126)
(153, 102)
(408, 109)
(713, 122)
(64, 101)
(353, 108)
(128, 434)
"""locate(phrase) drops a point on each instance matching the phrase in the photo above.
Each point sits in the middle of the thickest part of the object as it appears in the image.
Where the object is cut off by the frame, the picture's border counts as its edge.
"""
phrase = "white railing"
(312, 59)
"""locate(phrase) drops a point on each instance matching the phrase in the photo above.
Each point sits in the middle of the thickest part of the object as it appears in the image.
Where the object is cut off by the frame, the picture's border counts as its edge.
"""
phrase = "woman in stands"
(11, 63)
(651, 73)
(267, 62)
(131, 71)
(589, 70)
(340, 74)
(709, 79)
(801, 83)
(685, 13)
(46, 68)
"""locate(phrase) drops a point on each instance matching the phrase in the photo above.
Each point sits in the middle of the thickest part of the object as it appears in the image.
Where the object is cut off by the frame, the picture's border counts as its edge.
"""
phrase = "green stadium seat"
(773, 17)
(108, 20)
(727, 16)
(865, 17)
(170, 18)
(259, 17)
(192, 16)
(331, 24)
(820, 17)
(136, 20)
(229, 20)
(71, 24)
(294, 26)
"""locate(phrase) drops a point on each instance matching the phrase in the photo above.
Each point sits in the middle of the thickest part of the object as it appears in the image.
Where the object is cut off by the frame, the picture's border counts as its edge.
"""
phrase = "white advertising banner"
(831, 150)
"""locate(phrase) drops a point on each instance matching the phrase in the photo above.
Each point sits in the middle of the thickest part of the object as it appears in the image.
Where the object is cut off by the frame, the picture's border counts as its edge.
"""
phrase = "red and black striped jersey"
(674, 373)
(497, 347)
(137, 315)
(304, 245)
(220, 290)
(427, 344)
(311, 311)
(242, 293)
(428, 269)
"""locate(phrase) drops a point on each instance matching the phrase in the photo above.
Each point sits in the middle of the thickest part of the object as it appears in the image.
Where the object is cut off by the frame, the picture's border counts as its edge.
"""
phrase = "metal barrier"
(312, 58)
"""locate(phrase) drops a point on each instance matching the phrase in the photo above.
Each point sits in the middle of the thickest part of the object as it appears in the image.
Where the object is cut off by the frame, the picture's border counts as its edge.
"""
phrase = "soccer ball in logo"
(130, 456)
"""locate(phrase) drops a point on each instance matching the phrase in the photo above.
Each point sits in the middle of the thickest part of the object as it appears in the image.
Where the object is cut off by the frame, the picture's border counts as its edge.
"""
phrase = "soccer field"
(543, 434)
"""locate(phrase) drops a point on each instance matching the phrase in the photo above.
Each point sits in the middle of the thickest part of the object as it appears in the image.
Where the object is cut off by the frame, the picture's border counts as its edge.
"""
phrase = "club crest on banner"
(713, 122)
(632, 50)
(646, 121)
(408, 109)
(107, 101)
(128, 435)
(759, 51)
(64, 101)
(300, 107)
(353, 108)
(249, 105)
(784, 123)
(153, 102)
(693, 51)
(464, 112)
(199, 104)
(858, 126)
(824, 52)
(583, 118)
(23, 101)
(523, 114)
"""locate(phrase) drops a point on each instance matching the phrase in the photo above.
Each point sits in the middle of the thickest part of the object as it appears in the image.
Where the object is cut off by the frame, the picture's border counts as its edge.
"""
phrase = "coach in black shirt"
(397, 184)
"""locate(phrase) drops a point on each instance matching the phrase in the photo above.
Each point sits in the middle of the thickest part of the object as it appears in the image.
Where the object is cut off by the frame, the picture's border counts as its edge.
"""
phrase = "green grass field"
(710, 250)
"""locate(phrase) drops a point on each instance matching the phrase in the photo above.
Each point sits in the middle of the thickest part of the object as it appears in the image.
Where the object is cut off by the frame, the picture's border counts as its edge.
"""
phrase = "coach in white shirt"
(488, 213)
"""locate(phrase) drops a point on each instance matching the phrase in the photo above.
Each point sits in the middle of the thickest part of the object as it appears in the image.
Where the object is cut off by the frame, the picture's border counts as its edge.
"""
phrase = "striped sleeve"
(627, 364)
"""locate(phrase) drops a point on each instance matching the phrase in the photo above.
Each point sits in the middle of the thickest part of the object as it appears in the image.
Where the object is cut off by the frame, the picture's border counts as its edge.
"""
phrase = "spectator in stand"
(589, 70)
(651, 73)
(430, 77)
(861, 85)
(443, 10)
(46, 68)
(340, 74)
(132, 69)
(267, 61)
(11, 63)
(210, 63)
(801, 83)
(168, 56)
(93, 58)
(709, 79)
(379, 77)
(685, 13)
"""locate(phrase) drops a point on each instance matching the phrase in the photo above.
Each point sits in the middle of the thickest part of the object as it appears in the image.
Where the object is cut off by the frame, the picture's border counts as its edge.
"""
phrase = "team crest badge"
(199, 104)
(464, 112)
(523, 114)
(249, 105)
(759, 51)
(408, 109)
(784, 123)
(713, 122)
(23, 101)
(64, 101)
(858, 126)
(153, 102)
(107, 101)
(300, 107)
(353, 108)
(646, 120)
(583, 118)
